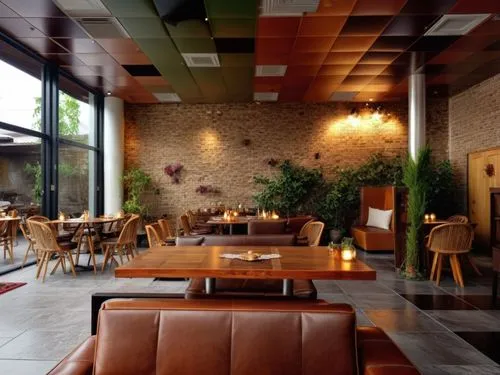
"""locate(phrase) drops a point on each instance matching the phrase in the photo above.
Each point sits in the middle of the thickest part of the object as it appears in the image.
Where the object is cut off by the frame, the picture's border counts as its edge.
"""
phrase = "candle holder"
(62, 217)
(433, 217)
(426, 217)
(86, 215)
(348, 251)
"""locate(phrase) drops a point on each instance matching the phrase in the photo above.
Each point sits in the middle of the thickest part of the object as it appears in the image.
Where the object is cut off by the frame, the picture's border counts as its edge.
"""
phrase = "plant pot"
(335, 235)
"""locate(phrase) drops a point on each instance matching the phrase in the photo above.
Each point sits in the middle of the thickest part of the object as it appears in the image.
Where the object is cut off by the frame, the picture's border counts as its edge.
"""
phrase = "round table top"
(8, 218)
(234, 220)
(90, 220)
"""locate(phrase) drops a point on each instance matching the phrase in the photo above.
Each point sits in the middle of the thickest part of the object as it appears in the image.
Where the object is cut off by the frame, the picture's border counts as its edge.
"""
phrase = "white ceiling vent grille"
(103, 28)
(201, 60)
(270, 70)
(167, 97)
(265, 96)
(83, 8)
(456, 24)
(343, 96)
(288, 7)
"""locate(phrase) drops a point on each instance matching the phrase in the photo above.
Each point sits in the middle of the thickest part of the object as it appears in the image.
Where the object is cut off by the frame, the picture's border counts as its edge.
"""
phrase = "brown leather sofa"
(245, 288)
(233, 337)
(266, 226)
(295, 224)
(370, 238)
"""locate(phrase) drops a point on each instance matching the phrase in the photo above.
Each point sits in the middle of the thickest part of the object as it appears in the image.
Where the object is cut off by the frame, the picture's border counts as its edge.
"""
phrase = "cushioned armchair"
(371, 238)
(235, 338)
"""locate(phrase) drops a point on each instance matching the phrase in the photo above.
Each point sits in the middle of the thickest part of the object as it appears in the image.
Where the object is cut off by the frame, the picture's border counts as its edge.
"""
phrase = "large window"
(46, 165)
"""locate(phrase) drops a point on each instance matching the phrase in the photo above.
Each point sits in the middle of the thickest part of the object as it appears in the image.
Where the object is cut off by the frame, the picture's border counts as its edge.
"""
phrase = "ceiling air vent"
(283, 8)
(103, 28)
(201, 60)
(265, 96)
(343, 96)
(167, 97)
(270, 70)
(83, 8)
(456, 24)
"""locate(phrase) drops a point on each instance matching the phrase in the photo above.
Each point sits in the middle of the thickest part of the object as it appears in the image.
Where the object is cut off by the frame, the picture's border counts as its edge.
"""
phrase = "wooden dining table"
(296, 262)
(220, 221)
(87, 225)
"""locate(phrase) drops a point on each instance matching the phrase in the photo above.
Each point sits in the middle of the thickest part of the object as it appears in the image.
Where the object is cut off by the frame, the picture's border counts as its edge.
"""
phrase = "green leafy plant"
(35, 171)
(416, 177)
(69, 114)
(135, 181)
(291, 191)
(440, 193)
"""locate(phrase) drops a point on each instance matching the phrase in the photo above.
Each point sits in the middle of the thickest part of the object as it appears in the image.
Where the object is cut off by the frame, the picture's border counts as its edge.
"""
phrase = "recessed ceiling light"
(206, 19)
(265, 96)
(270, 70)
(456, 24)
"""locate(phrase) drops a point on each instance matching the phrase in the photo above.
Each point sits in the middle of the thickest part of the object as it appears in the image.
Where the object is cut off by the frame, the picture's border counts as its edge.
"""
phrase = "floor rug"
(6, 287)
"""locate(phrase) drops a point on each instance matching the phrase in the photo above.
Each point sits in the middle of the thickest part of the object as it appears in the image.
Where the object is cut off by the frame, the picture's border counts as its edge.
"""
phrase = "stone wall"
(474, 123)
(208, 141)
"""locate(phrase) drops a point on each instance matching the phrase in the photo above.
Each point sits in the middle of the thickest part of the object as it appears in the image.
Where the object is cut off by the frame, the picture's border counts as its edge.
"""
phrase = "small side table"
(496, 271)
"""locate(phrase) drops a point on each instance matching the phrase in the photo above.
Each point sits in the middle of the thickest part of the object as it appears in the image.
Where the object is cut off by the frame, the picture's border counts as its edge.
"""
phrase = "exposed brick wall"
(208, 140)
(474, 122)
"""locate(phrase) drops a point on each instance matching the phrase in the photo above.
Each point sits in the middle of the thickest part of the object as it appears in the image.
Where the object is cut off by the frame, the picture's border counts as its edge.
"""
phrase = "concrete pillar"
(114, 139)
(416, 114)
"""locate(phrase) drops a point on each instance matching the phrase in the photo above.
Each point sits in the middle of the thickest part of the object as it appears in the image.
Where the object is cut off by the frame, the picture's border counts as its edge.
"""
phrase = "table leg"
(288, 287)
(494, 293)
(231, 229)
(90, 242)
(209, 285)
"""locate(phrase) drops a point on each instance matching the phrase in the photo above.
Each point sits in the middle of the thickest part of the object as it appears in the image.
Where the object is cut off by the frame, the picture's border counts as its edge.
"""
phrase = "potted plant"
(135, 181)
(416, 179)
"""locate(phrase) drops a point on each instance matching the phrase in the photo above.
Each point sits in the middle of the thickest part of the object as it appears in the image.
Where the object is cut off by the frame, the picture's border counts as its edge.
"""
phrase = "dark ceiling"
(346, 50)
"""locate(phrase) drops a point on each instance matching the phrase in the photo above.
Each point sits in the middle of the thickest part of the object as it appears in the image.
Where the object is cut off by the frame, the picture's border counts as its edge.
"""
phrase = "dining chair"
(450, 240)
(154, 237)
(23, 225)
(166, 232)
(458, 219)
(46, 246)
(188, 230)
(197, 225)
(313, 231)
(124, 245)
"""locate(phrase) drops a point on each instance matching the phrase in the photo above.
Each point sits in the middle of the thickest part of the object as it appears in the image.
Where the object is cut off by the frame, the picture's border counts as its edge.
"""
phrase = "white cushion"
(379, 218)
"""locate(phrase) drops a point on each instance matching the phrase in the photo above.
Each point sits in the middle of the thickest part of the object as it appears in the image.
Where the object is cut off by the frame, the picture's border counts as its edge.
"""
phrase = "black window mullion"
(99, 160)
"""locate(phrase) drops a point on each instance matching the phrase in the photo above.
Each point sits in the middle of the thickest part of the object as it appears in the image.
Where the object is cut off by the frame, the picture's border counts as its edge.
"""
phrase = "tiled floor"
(20, 247)
(443, 330)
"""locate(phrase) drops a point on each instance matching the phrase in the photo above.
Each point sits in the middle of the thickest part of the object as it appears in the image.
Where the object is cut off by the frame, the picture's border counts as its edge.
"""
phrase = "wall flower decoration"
(174, 171)
(489, 169)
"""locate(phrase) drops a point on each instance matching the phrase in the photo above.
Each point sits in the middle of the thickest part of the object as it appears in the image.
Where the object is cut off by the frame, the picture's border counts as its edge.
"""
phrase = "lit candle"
(85, 215)
(119, 214)
(235, 213)
(61, 216)
(225, 216)
(433, 217)
(274, 216)
(426, 217)
(348, 254)
(264, 214)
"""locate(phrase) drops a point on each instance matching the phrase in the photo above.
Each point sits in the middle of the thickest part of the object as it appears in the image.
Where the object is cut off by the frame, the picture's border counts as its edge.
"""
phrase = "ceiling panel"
(377, 8)
(30, 8)
(6, 12)
(313, 44)
(409, 25)
(427, 6)
(131, 8)
(476, 6)
(334, 8)
(278, 26)
(144, 27)
(231, 9)
(321, 26)
(353, 43)
(195, 45)
(59, 28)
(233, 28)
(19, 28)
(365, 25)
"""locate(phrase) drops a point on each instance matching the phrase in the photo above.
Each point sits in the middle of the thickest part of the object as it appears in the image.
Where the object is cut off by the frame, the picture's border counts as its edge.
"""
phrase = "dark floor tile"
(482, 302)
(437, 302)
(460, 370)
(404, 321)
(472, 320)
(487, 343)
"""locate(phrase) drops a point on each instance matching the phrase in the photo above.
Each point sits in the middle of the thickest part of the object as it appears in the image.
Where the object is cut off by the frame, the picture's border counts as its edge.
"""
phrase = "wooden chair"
(8, 235)
(313, 231)
(47, 246)
(27, 236)
(154, 237)
(166, 232)
(188, 230)
(196, 224)
(125, 244)
(458, 219)
(449, 240)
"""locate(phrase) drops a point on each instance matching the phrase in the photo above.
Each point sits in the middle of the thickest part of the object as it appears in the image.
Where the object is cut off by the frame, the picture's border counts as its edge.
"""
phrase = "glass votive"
(433, 217)
(348, 254)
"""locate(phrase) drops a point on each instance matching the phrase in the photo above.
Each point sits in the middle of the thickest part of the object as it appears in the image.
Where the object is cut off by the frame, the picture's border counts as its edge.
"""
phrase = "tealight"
(426, 217)
(433, 217)
(62, 217)
(348, 254)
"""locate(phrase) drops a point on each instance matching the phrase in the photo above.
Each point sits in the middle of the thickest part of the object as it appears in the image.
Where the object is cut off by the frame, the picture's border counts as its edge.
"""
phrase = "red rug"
(6, 287)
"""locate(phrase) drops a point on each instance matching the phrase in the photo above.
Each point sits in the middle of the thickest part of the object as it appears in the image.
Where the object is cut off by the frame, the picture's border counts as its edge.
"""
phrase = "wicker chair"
(8, 234)
(125, 244)
(313, 231)
(47, 246)
(197, 225)
(449, 240)
(153, 232)
(458, 219)
(166, 232)
(23, 225)
(188, 230)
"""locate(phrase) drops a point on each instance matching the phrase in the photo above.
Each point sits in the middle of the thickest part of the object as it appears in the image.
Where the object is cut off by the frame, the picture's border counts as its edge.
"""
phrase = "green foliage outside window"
(69, 115)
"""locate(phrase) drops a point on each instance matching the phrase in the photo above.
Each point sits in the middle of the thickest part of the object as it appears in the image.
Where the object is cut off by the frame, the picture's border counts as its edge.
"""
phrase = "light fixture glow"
(206, 19)
(108, 93)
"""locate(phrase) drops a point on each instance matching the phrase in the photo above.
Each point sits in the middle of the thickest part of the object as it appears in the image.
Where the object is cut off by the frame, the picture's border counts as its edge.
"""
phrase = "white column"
(114, 138)
(416, 114)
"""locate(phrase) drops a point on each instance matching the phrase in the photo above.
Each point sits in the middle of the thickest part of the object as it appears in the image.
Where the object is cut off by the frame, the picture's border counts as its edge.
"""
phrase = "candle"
(348, 254)
(225, 216)
(274, 216)
(61, 216)
(119, 214)
(426, 217)
(235, 213)
(433, 217)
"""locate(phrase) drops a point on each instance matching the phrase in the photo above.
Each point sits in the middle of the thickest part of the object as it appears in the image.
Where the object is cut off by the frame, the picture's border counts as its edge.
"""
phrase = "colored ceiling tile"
(377, 88)
(296, 82)
(341, 58)
(392, 43)
(365, 25)
(489, 27)
(378, 58)
(75, 45)
(427, 6)
(162, 52)
(335, 70)
(96, 58)
(232, 28)
(274, 45)
(6, 12)
(231, 9)
(189, 29)
(60, 27)
(357, 80)
(409, 25)
(291, 96)
(321, 26)
(151, 81)
(278, 26)
(195, 45)
(307, 58)
(433, 43)
(42, 45)
(334, 8)
(313, 44)
(353, 43)
(38, 8)
(137, 58)
(366, 96)
(302, 70)
(131, 8)
(449, 56)
(263, 86)
(368, 69)
(235, 45)
(269, 58)
(476, 7)
(122, 45)
(144, 27)
(377, 8)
